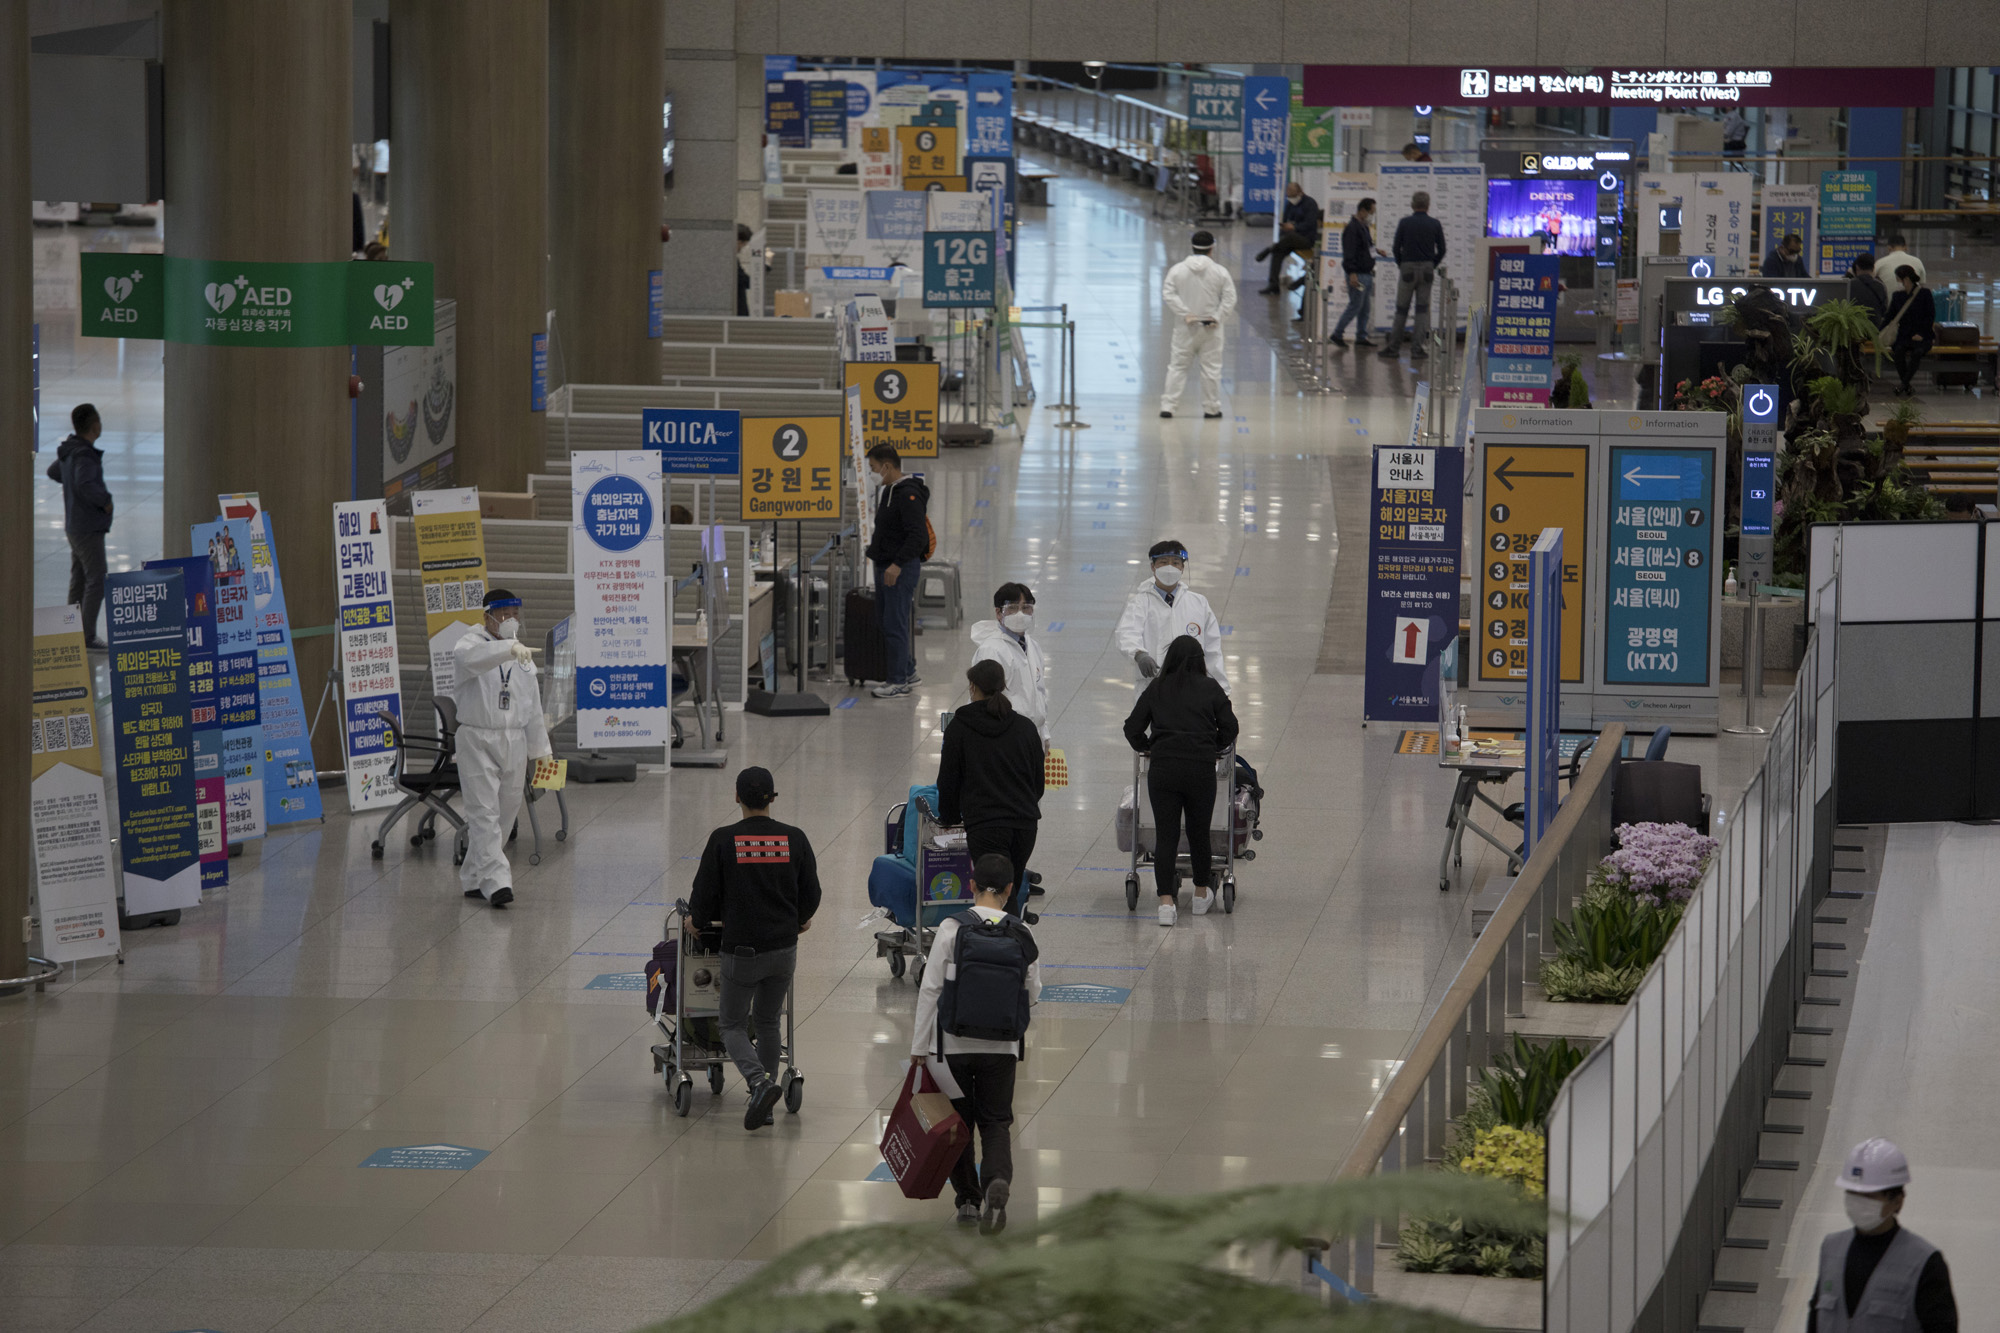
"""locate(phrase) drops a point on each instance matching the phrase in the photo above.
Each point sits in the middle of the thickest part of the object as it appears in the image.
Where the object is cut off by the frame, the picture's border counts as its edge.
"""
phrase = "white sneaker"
(1167, 914)
(1202, 902)
(890, 691)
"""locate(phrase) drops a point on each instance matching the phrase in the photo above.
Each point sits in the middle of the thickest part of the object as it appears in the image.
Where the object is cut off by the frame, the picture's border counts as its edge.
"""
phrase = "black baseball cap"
(755, 788)
(993, 871)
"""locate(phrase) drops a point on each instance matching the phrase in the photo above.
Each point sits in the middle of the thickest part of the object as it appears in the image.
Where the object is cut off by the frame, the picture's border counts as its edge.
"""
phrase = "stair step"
(1828, 944)
(1744, 1243)
(1771, 1127)
(1791, 1094)
(1823, 1001)
(1835, 972)
(1806, 1061)
(1800, 1029)
(1746, 1288)
(1829, 921)
(1845, 893)
(1848, 847)
(1747, 1202)
(1776, 1164)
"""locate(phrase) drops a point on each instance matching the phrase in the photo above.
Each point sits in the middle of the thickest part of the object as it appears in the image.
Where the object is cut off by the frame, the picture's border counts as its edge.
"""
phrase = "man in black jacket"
(760, 882)
(1787, 258)
(1419, 249)
(1298, 230)
(1357, 262)
(897, 549)
(79, 466)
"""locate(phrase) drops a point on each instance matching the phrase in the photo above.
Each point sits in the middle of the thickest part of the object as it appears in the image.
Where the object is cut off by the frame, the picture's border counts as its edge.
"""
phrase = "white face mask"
(1019, 621)
(1168, 575)
(510, 629)
(1865, 1213)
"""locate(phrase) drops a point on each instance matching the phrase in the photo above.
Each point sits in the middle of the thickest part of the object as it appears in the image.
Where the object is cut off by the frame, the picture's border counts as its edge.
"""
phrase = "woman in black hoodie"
(990, 777)
(1184, 721)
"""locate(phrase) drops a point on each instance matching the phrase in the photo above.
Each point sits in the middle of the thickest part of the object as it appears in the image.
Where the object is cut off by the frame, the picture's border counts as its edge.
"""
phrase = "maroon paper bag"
(925, 1137)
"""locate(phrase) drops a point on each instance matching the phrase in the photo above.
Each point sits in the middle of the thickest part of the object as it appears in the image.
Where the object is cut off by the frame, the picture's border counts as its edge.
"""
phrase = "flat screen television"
(1565, 209)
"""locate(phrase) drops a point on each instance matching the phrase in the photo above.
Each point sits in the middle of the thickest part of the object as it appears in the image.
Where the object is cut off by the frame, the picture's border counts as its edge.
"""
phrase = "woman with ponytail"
(990, 778)
(1184, 723)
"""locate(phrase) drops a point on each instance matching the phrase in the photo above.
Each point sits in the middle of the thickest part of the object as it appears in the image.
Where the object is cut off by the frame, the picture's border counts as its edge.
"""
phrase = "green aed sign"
(231, 304)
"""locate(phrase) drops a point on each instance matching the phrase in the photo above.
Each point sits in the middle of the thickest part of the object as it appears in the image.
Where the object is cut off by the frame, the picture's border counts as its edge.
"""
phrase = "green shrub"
(1602, 953)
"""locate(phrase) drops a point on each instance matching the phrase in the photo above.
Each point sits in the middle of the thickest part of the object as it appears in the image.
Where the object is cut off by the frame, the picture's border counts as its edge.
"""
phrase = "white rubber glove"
(1147, 666)
(522, 652)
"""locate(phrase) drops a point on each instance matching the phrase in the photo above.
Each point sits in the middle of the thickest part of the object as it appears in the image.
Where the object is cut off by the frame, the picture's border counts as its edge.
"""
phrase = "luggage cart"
(1233, 826)
(692, 1028)
(943, 886)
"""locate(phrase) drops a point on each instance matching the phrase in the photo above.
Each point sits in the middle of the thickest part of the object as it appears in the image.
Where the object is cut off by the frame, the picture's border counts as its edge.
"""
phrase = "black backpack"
(987, 995)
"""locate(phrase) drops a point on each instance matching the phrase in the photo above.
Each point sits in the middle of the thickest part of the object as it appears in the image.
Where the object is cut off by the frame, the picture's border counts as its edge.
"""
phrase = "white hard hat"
(1875, 1165)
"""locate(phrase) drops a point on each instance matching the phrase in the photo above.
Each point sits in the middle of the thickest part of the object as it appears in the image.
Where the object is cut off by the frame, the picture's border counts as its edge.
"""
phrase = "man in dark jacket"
(1357, 263)
(1865, 289)
(1787, 259)
(991, 774)
(79, 466)
(759, 880)
(897, 549)
(1418, 250)
(1298, 231)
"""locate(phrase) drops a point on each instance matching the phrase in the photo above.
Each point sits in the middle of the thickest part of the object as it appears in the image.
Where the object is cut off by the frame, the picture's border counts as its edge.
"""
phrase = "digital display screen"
(1565, 210)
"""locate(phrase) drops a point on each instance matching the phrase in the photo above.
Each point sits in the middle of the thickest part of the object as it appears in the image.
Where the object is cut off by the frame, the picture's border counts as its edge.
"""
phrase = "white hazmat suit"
(1150, 622)
(500, 728)
(1027, 670)
(1200, 297)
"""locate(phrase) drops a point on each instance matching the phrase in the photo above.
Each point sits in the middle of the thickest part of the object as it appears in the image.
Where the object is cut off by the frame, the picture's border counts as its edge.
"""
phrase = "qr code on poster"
(454, 597)
(433, 598)
(55, 734)
(475, 592)
(81, 735)
(34, 736)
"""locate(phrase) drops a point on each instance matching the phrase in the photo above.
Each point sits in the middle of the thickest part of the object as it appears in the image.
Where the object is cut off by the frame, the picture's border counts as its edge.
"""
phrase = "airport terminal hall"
(899, 666)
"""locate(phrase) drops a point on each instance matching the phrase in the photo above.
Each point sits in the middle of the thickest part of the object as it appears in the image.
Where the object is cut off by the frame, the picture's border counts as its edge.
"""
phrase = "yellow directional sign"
(791, 468)
(1525, 488)
(928, 150)
(899, 405)
(949, 184)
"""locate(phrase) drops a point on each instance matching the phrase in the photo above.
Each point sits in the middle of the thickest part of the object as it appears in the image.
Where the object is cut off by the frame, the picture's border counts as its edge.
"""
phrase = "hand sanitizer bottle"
(1729, 584)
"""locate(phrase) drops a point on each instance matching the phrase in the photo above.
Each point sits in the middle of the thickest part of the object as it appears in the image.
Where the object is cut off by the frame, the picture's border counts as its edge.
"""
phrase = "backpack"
(663, 977)
(930, 538)
(986, 993)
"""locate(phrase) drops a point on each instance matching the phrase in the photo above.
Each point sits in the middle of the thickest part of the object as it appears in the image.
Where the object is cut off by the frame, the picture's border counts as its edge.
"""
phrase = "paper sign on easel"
(74, 884)
(451, 559)
(370, 672)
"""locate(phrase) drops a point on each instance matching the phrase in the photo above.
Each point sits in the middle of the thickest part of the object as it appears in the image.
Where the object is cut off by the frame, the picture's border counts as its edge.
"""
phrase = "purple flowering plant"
(1661, 863)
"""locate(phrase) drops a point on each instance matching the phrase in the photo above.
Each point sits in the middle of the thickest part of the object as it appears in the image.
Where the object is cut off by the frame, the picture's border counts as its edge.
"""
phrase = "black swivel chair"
(431, 789)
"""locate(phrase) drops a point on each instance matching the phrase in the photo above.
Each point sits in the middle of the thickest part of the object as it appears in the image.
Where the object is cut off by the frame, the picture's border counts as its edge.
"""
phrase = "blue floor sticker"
(1090, 569)
(881, 1174)
(1242, 571)
(1085, 994)
(428, 1157)
(848, 702)
(632, 981)
(1056, 628)
(1101, 967)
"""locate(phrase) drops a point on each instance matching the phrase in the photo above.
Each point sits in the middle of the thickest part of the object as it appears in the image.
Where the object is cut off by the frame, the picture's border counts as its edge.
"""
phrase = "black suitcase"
(863, 651)
(963, 434)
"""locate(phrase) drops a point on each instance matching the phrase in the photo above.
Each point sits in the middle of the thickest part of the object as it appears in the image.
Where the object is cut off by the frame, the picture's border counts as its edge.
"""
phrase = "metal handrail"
(1407, 1125)
(40, 980)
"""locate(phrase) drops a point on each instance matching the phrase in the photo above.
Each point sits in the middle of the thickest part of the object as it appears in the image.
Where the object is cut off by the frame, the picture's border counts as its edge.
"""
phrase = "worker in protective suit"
(1008, 640)
(500, 729)
(1200, 297)
(1162, 609)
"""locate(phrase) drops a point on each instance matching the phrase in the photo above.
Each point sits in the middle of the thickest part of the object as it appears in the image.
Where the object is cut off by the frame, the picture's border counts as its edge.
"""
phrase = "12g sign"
(958, 269)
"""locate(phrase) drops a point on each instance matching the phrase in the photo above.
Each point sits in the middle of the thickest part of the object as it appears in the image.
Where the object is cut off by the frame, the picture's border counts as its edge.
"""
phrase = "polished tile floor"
(181, 1137)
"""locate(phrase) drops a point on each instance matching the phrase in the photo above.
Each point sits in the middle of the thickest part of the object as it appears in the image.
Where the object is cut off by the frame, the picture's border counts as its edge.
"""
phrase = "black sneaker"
(1363, 342)
(1335, 340)
(759, 1112)
(1388, 350)
(474, 893)
(1419, 354)
(1295, 284)
(1211, 416)
(1267, 291)
(1166, 416)
(500, 898)
(993, 1218)
(1036, 891)
(968, 1214)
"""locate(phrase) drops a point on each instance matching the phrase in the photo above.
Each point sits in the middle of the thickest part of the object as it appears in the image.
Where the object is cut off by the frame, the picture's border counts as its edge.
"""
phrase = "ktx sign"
(1215, 104)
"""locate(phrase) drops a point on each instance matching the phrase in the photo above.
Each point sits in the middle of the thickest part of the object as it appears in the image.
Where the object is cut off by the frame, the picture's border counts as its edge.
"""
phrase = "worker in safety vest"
(1877, 1277)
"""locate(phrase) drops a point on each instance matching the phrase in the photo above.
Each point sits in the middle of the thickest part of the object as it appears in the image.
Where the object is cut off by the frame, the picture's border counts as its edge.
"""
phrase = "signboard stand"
(1545, 618)
(803, 702)
(1413, 550)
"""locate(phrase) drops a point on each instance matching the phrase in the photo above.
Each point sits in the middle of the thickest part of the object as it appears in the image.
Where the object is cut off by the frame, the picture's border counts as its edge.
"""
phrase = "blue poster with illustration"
(228, 546)
(1413, 592)
(291, 784)
(1658, 582)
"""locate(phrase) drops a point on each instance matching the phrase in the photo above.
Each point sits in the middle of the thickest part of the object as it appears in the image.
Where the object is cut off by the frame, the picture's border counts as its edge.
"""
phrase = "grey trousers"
(755, 988)
(1413, 283)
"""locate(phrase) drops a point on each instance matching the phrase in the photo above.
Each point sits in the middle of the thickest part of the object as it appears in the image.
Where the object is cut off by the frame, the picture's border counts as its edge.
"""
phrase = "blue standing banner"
(1521, 344)
(236, 694)
(204, 716)
(1267, 106)
(826, 113)
(1759, 484)
(1544, 739)
(291, 783)
(153, 740)
(989, 114)
(1656, 585)
(1413, 591)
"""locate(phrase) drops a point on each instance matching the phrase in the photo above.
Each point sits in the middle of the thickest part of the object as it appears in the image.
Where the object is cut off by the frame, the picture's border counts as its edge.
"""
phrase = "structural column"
(469, 125)
(703, 202)
(257, 123)
(607, 81)
(17, 502)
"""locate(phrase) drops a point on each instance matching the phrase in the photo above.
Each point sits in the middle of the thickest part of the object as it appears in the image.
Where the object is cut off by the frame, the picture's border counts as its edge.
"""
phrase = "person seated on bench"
(1912, 313)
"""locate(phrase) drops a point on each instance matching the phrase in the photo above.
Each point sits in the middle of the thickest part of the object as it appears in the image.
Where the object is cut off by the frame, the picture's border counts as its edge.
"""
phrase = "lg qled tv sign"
(1630, 85)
